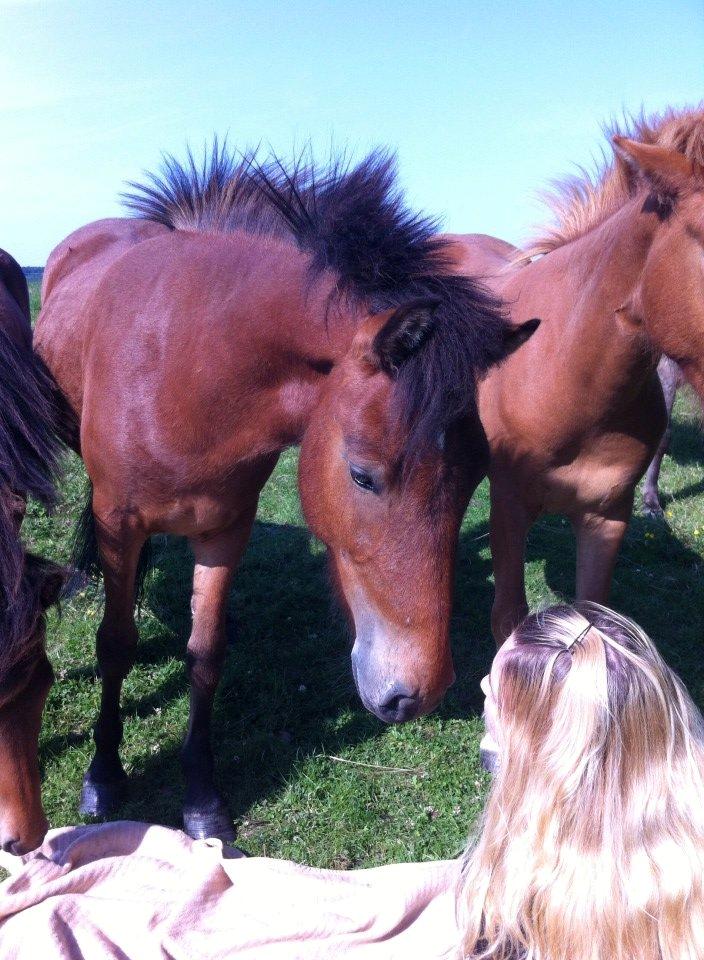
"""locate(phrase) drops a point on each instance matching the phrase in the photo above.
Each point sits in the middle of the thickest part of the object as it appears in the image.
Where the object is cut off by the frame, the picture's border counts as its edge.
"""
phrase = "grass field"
(303, 765)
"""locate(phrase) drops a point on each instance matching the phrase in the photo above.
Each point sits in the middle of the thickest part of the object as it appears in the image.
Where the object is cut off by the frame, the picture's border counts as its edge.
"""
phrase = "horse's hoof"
(653, 511)
(101, 799)
(209, 821)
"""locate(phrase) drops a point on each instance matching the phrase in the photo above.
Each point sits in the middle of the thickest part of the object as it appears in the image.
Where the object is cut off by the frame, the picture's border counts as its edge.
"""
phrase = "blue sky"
(484, 102)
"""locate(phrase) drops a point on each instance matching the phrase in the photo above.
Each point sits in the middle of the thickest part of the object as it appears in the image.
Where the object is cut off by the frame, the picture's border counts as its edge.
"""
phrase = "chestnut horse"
(29, 451)
(247, 308)
(575, 417)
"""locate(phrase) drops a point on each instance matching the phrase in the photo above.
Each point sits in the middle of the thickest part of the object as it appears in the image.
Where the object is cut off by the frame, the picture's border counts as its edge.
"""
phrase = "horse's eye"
(362, 479)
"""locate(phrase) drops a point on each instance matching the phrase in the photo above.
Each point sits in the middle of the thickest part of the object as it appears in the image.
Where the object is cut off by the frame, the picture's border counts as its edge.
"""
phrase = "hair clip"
(579, 637)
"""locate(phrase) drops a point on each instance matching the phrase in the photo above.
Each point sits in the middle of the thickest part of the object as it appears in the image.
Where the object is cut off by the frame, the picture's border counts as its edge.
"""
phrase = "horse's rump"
(72, 273)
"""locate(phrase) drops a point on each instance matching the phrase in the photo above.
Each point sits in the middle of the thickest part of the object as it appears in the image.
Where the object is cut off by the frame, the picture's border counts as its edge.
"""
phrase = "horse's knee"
(205, 668)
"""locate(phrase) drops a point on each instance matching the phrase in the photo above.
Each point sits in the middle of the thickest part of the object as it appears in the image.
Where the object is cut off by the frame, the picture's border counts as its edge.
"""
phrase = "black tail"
(30, 424)
(15, 282)
(30, 452)
(85, 555)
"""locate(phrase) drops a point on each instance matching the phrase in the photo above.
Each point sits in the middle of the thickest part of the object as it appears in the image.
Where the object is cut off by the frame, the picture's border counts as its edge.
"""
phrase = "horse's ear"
(667, 169)
(405, 332)
(518, 333)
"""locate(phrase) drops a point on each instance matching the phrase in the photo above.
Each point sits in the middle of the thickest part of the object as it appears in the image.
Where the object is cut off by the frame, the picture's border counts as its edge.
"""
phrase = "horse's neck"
(581, 291)
(309, 341)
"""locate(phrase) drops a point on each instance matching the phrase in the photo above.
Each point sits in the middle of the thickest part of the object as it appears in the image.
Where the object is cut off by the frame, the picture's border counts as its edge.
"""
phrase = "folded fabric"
(131, 891)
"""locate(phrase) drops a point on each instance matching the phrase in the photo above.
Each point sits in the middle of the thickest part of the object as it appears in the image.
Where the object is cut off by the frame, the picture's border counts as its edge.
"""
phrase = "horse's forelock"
(436, 386)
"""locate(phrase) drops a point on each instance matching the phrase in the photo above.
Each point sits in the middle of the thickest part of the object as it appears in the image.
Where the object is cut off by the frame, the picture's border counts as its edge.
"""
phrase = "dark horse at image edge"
(245, 308)
(30, 425)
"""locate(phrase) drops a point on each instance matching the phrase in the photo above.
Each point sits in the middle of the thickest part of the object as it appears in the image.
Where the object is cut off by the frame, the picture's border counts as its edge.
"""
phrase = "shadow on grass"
(687, 446)
(684, 493)
(287, 691)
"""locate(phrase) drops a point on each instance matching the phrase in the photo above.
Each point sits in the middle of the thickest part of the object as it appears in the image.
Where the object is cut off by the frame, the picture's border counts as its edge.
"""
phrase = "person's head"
(592, 845)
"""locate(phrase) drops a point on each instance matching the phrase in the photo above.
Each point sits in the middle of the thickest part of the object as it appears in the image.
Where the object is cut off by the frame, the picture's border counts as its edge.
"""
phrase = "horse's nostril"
(400, 704)
(10, 846)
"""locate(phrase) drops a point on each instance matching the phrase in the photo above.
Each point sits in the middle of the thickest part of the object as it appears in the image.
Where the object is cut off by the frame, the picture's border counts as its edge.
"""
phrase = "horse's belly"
(196, 509)
(598, 477)
(587, 486)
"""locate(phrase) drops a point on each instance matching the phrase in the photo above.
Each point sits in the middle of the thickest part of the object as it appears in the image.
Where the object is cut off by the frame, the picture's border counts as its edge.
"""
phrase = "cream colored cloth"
(130, 891)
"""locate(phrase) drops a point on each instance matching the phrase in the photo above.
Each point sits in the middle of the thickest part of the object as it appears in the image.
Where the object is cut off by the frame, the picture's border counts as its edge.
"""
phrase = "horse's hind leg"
(205, 814)
(670, 379)
(120, 543)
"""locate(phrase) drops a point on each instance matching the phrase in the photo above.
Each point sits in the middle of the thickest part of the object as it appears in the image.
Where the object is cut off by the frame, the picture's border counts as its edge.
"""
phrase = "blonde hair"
(592, 842)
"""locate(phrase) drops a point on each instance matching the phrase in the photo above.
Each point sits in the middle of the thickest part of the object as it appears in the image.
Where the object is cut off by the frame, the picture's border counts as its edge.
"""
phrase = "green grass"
(287, 707)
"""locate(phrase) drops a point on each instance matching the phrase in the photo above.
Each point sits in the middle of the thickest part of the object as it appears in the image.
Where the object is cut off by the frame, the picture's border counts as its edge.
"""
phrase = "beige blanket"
(130, 891)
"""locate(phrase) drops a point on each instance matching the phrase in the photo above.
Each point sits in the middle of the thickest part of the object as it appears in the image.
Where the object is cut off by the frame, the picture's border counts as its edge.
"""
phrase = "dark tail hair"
(31, 424)
(85, 554)
(31, 427)
(14, 280)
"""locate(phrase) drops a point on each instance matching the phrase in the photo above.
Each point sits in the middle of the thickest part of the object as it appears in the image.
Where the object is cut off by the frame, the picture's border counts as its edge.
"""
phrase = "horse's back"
(480, 256)
(72, 274)
(94, 246)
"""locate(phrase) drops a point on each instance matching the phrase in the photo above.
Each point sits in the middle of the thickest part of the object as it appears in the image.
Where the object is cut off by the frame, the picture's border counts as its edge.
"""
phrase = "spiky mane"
(351, 220)
(580, 203)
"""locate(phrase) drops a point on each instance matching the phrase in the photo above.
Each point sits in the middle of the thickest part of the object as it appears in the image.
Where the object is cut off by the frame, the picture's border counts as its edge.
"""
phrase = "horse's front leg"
(509, 525)
(120, 543)
(205, 813)
(599, 540)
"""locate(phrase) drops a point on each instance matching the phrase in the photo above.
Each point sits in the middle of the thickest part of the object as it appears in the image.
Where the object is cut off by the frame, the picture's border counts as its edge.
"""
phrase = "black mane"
(351, 220)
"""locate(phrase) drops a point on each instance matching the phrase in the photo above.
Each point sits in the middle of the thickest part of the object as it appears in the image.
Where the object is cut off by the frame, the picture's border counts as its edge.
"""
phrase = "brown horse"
(29, 451)
(248, 308)
(574, 418)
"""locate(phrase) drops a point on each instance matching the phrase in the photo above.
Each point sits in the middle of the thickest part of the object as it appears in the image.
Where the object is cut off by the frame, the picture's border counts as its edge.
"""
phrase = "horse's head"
(669, 299)
(25, 679)
(388, 463)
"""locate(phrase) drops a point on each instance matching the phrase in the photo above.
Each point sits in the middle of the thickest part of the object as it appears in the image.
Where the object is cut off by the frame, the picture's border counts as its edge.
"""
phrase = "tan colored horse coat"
(574, 418)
